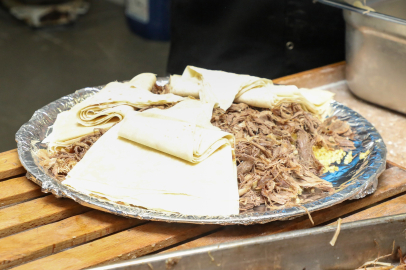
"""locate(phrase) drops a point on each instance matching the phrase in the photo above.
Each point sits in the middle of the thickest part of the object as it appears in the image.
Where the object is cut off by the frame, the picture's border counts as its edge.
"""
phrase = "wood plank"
(18, 190)
(52, 238)
(391, 183)
(125, 245)
(10, 165)
(37, 212)
(390, 164)
(392, 207)
(315, 77)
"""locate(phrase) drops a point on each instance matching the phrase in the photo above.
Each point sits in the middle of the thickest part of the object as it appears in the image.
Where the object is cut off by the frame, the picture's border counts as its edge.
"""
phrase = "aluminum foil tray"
(352, 181)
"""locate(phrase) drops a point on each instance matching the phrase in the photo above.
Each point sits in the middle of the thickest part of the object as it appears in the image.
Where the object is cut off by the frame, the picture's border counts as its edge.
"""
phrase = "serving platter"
(352, 181)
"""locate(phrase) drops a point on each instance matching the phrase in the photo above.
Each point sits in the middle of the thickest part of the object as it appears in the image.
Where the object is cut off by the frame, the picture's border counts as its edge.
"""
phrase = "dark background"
(266, 38)
(39, 66)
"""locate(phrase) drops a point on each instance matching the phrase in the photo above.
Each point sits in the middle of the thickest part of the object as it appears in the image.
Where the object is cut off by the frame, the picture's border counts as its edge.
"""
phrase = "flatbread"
(266, 97)
(66, 131)
(124, 171)
(185, 87)
(183, 131)
(143, 80)
(315, 101)
(221, 87)
(106, 104)
(104, 109)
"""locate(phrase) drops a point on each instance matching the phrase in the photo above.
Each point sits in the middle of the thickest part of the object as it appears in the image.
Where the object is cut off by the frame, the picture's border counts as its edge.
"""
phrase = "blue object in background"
(149, 18)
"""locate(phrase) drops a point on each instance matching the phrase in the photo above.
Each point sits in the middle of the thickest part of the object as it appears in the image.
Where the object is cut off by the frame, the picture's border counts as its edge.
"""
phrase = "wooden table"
(40, 231)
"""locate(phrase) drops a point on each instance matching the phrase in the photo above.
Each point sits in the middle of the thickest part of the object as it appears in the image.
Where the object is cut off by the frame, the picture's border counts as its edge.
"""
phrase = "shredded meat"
(335, 133)
(305, 151)
(160, 90)
(274, 150)
(162, 107)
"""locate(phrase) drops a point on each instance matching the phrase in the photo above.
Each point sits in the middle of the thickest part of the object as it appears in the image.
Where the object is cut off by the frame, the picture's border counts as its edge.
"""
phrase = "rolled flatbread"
(185, 87)
(315, 101)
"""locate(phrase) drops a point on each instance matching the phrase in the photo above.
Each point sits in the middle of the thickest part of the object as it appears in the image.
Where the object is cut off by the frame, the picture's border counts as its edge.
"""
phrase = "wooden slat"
(392, 207)
(395, 206)
(18, 190)
(10, 164)
(128, 244)
(391, 183)
(315, 77)
(390, 164)
(37, 212)
(45, 240)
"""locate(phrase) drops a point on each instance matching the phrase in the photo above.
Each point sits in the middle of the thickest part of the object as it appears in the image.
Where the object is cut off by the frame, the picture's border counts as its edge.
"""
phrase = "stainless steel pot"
(376, 56)
(376, 51)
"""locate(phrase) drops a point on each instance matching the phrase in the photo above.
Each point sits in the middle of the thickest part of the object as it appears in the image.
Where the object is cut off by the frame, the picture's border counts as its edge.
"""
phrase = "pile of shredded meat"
(276, 165)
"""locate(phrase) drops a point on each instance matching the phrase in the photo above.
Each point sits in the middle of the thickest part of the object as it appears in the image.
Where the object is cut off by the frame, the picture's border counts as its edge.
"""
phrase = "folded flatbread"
(221, 87)
(103, 106)
(66, 130)
(313, 100)
(143, 80)
(183, 131)
(188, 168)
(104, 109)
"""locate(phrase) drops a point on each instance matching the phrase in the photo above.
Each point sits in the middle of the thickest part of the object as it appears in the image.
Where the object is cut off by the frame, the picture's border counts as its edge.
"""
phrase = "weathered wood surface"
(315, 77)
(394, 206)
(10, 165)
(17, 190)
(128, 244)
(35, 213)
(49, 239)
